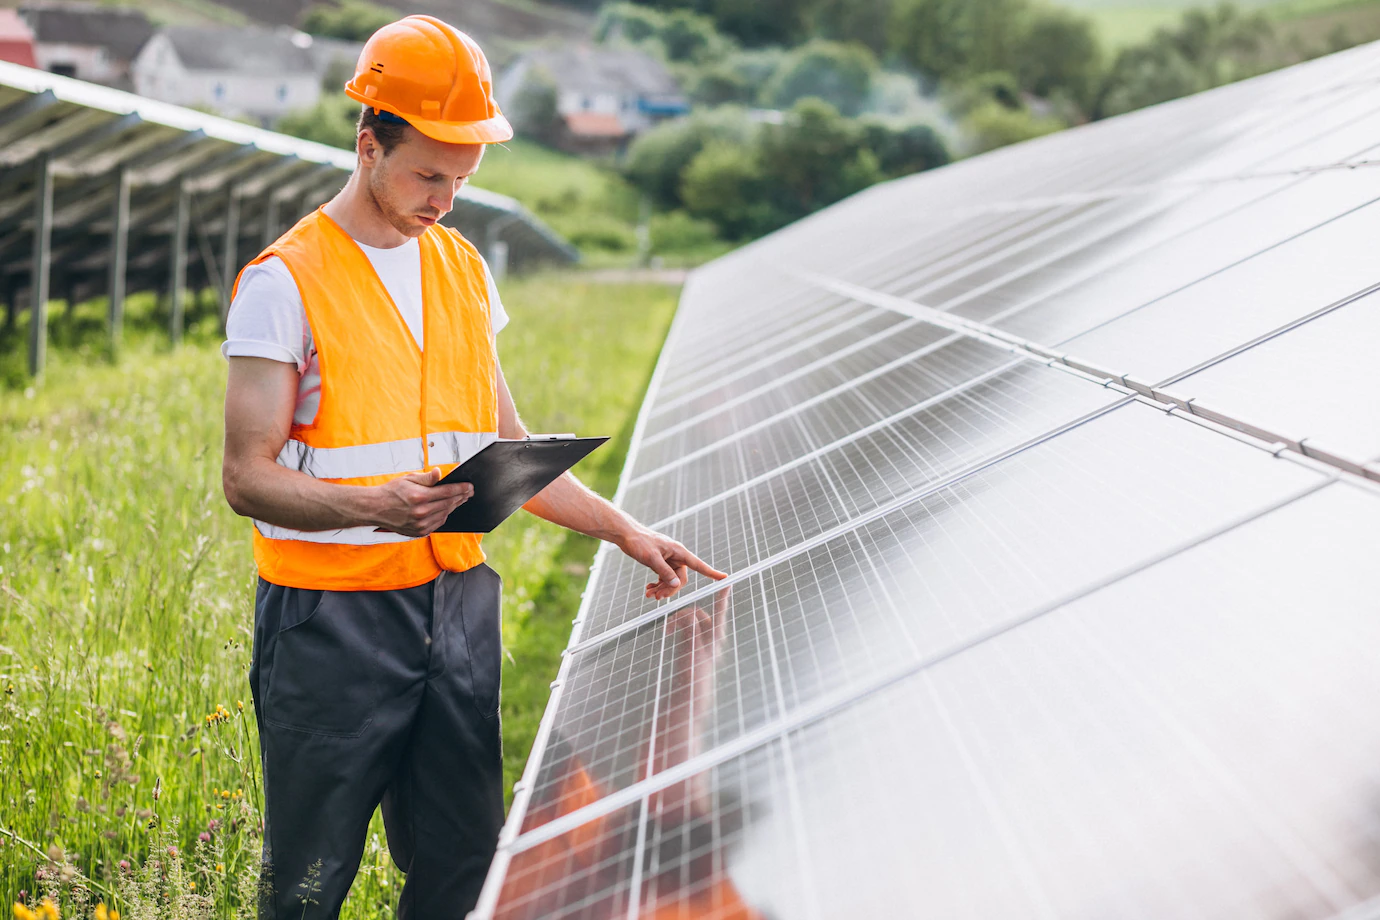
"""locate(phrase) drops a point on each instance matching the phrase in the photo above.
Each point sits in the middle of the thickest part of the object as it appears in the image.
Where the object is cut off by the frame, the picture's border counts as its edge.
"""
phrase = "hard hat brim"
(489, 131)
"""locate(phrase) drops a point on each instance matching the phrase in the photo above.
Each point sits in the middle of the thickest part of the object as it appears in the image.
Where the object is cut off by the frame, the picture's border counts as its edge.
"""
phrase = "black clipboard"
(506, 474)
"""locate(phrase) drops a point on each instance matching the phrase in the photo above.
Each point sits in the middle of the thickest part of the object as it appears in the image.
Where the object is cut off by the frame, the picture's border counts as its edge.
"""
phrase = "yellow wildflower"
(106, 913)
(225, 794)
(220, 867)
(23, 913)
(48, 911)
(191, 886)
(239, 704)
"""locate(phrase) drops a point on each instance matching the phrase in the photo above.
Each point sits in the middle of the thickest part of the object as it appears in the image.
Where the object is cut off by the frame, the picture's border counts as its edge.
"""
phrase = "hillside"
(507, 22)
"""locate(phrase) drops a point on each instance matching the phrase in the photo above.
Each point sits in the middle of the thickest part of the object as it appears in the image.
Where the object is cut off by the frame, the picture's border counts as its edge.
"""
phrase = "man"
(362, 359)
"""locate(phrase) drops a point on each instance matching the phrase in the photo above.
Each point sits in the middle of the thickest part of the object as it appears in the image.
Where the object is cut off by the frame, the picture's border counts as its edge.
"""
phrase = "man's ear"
(368, 148)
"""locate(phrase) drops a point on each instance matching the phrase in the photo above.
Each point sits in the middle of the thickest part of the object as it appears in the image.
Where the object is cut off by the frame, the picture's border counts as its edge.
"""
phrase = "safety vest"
(388, 408)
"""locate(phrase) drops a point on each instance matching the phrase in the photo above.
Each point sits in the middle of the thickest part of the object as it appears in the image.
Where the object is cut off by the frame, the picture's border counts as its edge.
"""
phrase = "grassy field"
(1313, 22)
(127, 765)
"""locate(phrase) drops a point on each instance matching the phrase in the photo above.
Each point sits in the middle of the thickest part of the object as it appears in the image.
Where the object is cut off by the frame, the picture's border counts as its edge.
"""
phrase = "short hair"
(388, 133)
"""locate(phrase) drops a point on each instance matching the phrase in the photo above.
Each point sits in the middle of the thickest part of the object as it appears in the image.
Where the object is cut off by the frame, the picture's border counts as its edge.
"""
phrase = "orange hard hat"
(433, 76)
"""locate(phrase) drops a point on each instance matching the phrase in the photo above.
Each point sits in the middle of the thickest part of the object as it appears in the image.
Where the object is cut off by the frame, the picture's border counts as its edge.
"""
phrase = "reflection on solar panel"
(1046, 485)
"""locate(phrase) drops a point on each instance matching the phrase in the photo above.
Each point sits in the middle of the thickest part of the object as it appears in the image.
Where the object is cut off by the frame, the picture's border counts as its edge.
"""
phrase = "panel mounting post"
(42, 265)
(229, 255)
(119, 258)
(177, 279)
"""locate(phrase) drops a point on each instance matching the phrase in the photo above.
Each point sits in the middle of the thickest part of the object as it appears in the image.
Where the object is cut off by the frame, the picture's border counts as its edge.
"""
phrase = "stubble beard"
(378, 194)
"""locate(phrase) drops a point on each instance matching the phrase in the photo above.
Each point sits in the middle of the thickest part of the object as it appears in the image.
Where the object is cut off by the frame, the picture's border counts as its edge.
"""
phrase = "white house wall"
(159, 74)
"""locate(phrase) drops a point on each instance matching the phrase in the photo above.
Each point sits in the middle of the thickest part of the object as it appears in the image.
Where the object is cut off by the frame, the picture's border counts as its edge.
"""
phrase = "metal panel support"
(42, 263)
(270, 219)
(229, 255)
(177, 278)
(119, 258)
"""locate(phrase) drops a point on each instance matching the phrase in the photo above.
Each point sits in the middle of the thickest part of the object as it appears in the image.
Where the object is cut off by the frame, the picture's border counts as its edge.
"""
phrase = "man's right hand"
(414, 505)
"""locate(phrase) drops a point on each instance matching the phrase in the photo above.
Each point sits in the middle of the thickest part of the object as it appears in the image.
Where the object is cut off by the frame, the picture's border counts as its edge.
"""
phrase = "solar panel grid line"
(763, 320)
(794, 410)
(784, 341)
(745, 368)
(1273, 333)
(830, 704)
(788, 372)
(1152, 395)
(851, 524)
(874, 427)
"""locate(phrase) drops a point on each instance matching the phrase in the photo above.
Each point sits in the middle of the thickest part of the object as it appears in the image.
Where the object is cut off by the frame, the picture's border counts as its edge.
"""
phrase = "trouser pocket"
(323, 678)
(480, 618)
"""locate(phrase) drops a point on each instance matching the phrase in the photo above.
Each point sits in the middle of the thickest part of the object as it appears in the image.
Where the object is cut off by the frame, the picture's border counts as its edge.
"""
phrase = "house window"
(282, 91)
(64, 70)
(220, 91)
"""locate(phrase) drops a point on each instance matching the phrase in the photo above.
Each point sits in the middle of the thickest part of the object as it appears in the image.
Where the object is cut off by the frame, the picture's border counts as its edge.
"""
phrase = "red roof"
(16, 40)
(595, 124)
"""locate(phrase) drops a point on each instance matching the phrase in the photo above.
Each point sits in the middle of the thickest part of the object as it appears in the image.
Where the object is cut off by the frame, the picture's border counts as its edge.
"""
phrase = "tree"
(760, 22)
(1207, 48)
(864, 21)
(688, 36)
(814, 158)
(725, 183)
(903, 148)
(932, 36)
(352, 20)
(1059, 54)
(534, 110)
(331, 121)
(658, 158)
(627, 20)
(839, 74)
(992, 125)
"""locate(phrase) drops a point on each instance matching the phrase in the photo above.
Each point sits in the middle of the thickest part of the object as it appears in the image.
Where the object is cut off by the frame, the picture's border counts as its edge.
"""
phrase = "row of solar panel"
(934, 539)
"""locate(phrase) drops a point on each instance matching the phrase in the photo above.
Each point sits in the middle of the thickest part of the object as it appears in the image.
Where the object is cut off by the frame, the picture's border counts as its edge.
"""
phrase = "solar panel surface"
(1046, 483)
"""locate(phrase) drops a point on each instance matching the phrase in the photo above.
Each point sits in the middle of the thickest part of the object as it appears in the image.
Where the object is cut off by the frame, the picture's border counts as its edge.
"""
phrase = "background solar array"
(1046, 486)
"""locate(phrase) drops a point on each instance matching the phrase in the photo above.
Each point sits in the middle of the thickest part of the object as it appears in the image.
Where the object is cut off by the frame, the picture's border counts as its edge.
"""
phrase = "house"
(261, 74)
(16, 40)
(91, 42)
(604, 96)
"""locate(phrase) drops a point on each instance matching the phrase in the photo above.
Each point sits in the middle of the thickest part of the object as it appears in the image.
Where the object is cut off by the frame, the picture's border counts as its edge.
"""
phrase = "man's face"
(415, 184)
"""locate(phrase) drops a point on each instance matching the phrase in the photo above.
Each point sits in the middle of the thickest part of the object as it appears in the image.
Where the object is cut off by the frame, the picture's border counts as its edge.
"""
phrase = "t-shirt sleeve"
(497, 315)
(267, 319)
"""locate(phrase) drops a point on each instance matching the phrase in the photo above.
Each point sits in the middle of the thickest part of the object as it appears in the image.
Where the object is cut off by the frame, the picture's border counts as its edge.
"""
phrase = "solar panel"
(1046, 483)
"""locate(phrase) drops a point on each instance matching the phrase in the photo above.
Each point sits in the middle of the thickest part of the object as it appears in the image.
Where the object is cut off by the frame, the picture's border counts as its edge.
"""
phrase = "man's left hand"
(670, 561)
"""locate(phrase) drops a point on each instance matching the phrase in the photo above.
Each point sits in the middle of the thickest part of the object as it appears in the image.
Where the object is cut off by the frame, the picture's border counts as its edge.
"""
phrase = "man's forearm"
(569, 503)
(264, 490)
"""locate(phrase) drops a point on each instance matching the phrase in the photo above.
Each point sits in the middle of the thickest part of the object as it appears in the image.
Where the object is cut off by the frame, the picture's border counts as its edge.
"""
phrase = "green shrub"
(677, 231)
(331, 121)
(837, 73)
(352, 20)
(597, 231)
(992, 125)
(725, 183)
(657, 160)
(903, 147)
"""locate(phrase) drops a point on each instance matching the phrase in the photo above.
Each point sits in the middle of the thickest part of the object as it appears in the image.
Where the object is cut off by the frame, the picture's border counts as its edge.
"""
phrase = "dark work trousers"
(365, 697)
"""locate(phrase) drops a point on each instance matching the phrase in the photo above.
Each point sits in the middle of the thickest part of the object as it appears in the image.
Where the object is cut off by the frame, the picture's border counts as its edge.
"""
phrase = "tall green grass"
(128, 769)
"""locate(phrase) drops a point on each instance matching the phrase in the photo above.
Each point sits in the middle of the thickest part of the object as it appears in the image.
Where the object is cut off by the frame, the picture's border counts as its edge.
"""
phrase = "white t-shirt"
(267, 319)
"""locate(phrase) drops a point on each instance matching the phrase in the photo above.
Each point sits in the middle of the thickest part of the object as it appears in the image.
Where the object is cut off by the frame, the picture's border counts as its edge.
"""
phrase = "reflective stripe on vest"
(361, 460)
(387, 407)
(388, 458)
